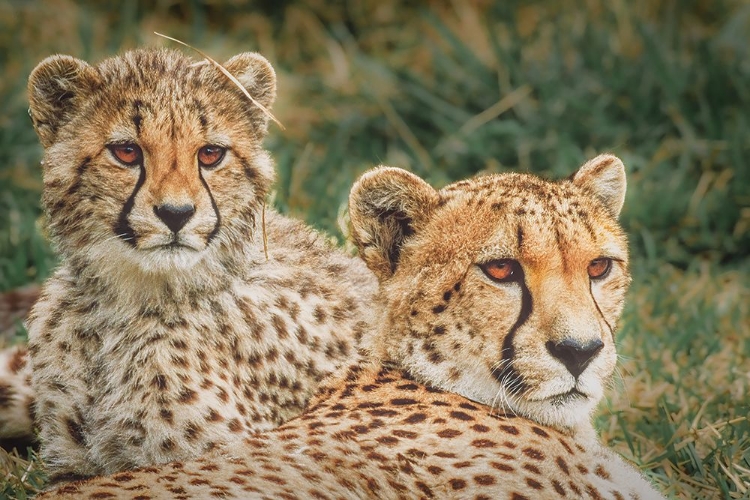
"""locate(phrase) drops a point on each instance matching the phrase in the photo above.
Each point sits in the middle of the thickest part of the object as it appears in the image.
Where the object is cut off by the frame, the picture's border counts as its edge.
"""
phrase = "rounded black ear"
(56, 88)
(258, 77)
(386, 206)
(604, 177)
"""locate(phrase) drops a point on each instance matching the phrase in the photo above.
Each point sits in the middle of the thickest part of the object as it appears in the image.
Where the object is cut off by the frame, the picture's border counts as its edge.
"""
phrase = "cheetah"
(184, 313)
(498, 302)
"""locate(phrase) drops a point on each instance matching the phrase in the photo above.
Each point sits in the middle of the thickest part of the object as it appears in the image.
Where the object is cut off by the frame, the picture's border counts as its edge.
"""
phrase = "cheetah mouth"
(567, 397)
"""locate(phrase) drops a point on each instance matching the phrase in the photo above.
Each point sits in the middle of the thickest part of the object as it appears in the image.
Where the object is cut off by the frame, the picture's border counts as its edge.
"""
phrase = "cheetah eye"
(502, 270)
(128, 154)
(209, 156)
(599, 268)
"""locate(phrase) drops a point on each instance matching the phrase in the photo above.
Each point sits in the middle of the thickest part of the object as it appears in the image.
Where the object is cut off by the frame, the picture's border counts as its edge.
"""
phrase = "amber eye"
(502, 270)
(210, 156)
(128, 154)
(599, 268)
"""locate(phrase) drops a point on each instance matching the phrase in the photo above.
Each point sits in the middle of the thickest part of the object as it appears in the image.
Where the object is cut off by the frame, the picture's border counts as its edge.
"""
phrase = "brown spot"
(458, 484)
(319, 314)
(123, 477)
(160, 382)
(593, 492)
(403, 401)
(558, 487)
(434, 470)
(187, 396)
(533, 453)
(566, 446)
(534, 483)
(582, 469)
(387, 440)
(510, 429)
(575, 488)
(438, 308)
(532, 468)
(563, 465)
(601, 472)
(483, 443)
(415, 418)
(17, 362)
(502, 467)
(480, 428)
(166, 415)
(518, 496)
(168, 445)
(214, 416)
(484, 480)
(540, 432)
(405, 434)
(101, 494)
(449, 433)
(462, 464)
(76, 432)
(459, 415)
(235, 425)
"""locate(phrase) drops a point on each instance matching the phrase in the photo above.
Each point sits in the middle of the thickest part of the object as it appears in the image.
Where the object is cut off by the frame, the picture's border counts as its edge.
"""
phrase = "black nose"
(575, 355)
(174, 216)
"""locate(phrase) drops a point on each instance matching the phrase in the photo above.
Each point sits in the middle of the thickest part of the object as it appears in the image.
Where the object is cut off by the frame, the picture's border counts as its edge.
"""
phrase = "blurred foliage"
(451, 89)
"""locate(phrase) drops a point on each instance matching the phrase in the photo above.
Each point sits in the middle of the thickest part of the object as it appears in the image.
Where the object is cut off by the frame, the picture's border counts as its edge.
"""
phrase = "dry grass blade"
(263, 224)
(228, 75)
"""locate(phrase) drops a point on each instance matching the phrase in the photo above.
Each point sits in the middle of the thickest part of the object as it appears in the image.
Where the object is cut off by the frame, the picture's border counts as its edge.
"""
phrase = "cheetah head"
(152, 156)
(504, 288)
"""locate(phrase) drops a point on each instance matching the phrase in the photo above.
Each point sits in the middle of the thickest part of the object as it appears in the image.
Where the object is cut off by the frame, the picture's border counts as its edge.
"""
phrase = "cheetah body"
(184, 313)
(400, 425)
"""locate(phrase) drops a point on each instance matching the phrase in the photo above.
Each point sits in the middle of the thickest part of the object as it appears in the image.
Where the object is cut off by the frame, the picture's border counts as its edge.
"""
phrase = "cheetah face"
(505, 289)
(152, 157)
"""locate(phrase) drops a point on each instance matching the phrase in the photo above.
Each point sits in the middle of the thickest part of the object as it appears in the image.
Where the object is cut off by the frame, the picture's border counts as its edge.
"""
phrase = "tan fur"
(388, 428)
(153, 343)
(16, 396)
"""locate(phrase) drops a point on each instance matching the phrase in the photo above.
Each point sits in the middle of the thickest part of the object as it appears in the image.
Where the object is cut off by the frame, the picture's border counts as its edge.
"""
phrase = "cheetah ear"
(604, 177)
(56, 89)
(258, 77)
(386, 206)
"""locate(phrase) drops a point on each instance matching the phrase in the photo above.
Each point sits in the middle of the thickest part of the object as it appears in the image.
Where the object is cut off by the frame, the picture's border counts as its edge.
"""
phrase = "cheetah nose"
(575, 355)
(174, 216)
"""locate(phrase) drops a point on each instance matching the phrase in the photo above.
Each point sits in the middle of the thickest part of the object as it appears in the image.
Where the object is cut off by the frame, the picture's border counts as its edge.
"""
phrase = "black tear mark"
(508, 376)
(122, 228)
(215, 230)
(596, 304)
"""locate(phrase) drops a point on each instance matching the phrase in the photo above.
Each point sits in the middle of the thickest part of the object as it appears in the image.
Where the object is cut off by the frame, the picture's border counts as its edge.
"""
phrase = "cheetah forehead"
(511, 212)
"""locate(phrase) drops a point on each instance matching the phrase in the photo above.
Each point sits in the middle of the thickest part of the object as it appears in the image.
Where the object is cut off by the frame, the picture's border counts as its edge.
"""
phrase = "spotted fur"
(167, 331)
(398, 425)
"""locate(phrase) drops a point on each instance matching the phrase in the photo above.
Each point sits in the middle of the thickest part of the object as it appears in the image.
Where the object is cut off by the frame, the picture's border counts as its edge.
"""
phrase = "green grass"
(465, 88)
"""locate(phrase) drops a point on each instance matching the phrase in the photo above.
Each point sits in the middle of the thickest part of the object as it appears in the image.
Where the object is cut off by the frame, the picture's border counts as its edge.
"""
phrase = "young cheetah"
(498, 302)
(168, 328)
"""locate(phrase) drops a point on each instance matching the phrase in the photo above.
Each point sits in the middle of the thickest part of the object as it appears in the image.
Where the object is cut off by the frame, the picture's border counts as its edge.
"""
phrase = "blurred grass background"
(451, 89)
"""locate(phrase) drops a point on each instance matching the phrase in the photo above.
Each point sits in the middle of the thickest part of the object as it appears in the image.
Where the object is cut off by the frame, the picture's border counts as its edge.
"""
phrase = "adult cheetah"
(498, 303)
(170, 327)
